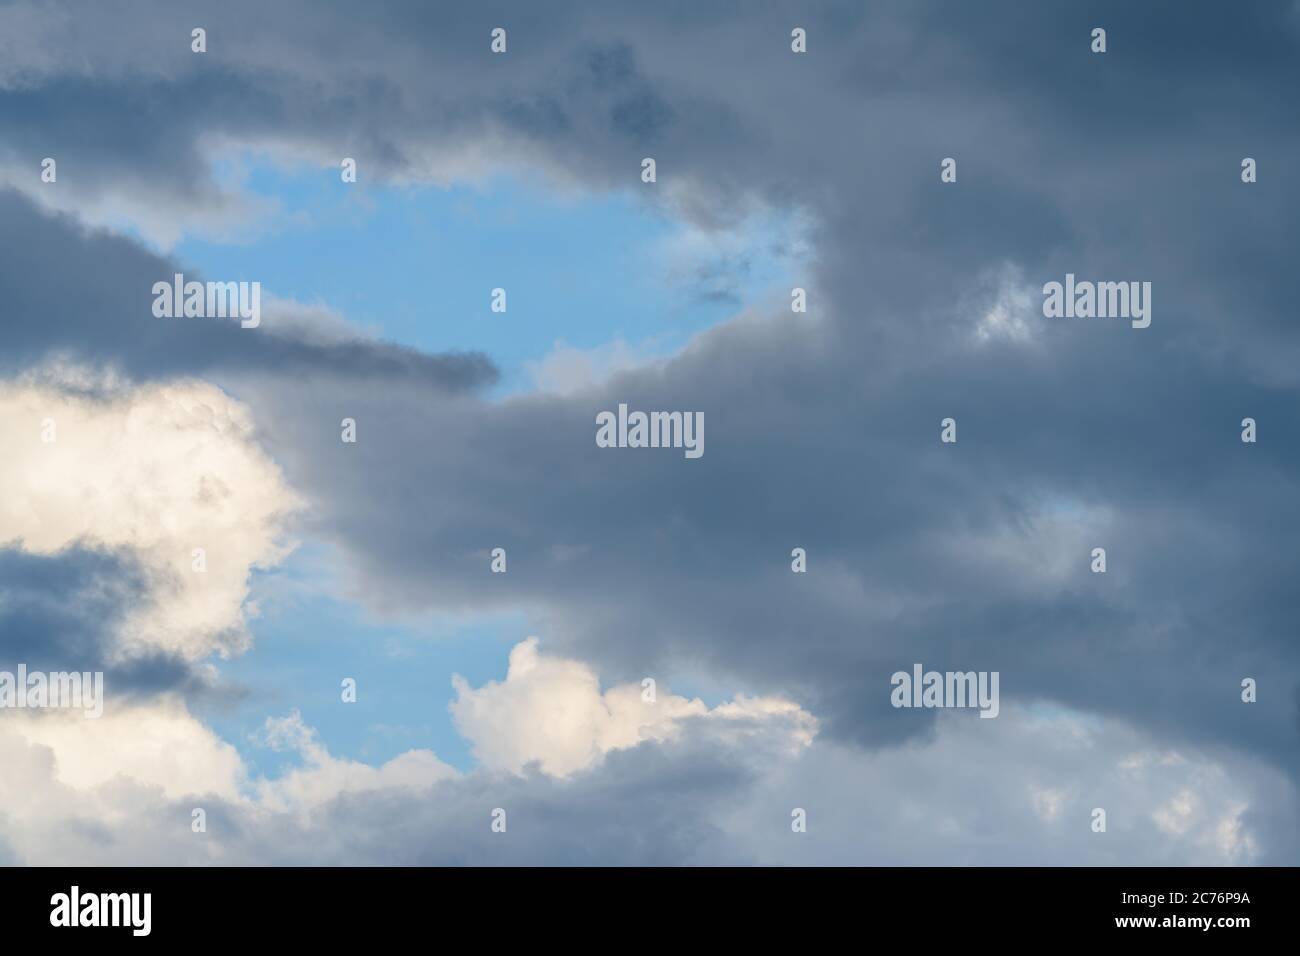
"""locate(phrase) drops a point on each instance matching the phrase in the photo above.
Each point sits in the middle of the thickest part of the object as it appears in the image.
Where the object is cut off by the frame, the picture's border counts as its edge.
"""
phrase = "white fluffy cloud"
(159, 744)
(155, 472)
(551, 711)
(82, 791)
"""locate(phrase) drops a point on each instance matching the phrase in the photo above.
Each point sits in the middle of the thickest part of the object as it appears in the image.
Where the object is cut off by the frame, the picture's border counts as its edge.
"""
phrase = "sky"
(655, 677)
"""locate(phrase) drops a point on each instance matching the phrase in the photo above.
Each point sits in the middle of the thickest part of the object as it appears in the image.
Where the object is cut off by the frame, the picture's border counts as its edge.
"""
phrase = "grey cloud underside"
(821, 433)
(88, 297)
(58, 613)
(654, 808)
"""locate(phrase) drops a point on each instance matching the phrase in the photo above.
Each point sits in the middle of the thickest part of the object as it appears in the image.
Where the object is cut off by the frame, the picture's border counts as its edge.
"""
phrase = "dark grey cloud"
(642, 559)
(87, 296)
(61, 613)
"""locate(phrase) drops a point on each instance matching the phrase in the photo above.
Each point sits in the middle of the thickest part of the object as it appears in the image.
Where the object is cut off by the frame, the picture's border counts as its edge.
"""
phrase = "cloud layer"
(924, 304)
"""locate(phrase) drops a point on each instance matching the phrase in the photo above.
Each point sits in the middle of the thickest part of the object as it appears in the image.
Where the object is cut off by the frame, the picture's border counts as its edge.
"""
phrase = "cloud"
(323, 777)
(552, 711)
(1020, 791)
(81, 297)
(566, 370)
(156, 472)
(158, 744)
(971, 794)
(83, 789)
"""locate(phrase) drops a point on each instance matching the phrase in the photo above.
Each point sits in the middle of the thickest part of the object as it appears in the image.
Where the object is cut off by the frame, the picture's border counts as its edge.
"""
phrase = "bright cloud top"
(551, 711)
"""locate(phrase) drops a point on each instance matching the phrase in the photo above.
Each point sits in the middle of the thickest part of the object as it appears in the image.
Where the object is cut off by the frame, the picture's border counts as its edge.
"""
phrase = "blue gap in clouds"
(418, 264)
(306, 643)
(303, 648)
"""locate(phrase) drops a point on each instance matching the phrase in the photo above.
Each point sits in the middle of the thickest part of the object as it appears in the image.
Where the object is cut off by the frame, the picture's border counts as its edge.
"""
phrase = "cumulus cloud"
(552, 711)
(157, 744)
(323, 777)
(1020, 789)
(66, 768)
(158, 472)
